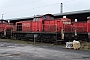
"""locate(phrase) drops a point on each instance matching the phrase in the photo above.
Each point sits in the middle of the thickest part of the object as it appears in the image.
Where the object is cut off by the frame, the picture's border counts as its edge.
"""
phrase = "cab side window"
(3, 22)
(51, 18)
(44, 17)
(36, 19)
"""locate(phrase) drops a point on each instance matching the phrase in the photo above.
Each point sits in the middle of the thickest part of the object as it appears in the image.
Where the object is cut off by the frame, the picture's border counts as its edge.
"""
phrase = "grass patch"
(25, 42)
(14, 41)
(85, 45)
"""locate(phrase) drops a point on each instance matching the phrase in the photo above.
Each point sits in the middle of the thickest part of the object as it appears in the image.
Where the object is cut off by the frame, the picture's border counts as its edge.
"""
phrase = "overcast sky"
(27, 8)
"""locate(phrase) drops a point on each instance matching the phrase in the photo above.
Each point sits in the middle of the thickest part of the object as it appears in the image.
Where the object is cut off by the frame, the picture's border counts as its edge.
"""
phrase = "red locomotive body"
(80, 27)
(88, 29)
(37, 24)
(88, 26)
(24, 26)
(2, 27)
(5, 29)
(56, 25)
(50, 25)
(44, 27)
(66, 24)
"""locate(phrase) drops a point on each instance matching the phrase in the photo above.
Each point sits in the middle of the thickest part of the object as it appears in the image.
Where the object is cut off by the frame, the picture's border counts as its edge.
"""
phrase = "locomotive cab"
(47, 17)
(38, 22)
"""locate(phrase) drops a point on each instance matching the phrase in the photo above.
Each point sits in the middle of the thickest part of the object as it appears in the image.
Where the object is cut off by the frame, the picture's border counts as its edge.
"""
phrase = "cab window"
(36, 19)
(51, 18)
(44, 17)
(3, 22)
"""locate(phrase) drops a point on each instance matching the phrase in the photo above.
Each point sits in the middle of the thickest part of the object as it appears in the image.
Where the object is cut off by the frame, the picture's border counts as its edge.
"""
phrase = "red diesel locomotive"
(5, 29)
(43, 28)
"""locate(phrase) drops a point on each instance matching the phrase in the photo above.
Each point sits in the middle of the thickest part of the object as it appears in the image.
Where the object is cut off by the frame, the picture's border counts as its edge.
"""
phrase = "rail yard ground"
(21, 50)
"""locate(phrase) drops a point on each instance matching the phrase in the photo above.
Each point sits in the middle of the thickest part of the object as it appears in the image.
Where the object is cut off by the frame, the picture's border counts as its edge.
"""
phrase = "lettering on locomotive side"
(66, 22)
(26, 24)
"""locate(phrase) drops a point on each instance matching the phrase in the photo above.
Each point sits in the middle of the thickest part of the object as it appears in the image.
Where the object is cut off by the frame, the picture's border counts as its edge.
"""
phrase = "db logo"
(26, 24)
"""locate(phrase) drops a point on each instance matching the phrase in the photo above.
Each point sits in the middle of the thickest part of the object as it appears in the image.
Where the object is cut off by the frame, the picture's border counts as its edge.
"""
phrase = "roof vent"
(64, 16)
(75, 20)
(37, 15)
(8, 21)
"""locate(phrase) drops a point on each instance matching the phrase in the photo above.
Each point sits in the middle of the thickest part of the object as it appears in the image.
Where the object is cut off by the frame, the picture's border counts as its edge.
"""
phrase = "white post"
(75, 20)
(64, 16)
(56, 32)
(34, 38)
(8, 21)
(75, 29)
(62, 34)
(75, 32)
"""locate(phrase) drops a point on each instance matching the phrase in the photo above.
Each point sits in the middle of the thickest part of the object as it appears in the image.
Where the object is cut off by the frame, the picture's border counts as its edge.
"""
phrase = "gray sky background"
(27, 8)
